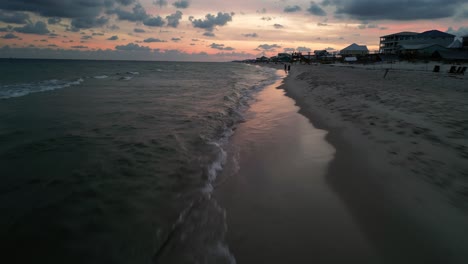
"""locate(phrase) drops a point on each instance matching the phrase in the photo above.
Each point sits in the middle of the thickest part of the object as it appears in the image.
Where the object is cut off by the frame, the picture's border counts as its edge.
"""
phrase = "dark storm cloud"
(220, 47)
(39, 28)
(316, 10)
(173, 20)
(397, 9)
(88, 22)
(278, 26)
(125, 2)
(181, 4)
(292, 9)
(160, 3)
(132, 47)
(211, 21)
(57, 8)
(14, 17)
(9, 36)
(113, 38)
(139, 30)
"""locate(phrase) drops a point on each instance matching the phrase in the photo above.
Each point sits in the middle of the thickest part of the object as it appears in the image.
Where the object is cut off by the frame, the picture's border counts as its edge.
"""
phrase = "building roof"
(435, 33)
(404, 33)
(356, 47)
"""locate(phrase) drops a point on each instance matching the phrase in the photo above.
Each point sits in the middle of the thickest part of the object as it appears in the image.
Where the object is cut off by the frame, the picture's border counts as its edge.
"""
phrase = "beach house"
(389, 44)
(354, 50)
(411, 42)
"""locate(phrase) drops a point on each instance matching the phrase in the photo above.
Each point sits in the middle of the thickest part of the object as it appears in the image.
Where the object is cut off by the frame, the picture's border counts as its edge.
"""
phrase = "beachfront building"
(284, 57)
(390, 44)
(396, 43)
(354, 50)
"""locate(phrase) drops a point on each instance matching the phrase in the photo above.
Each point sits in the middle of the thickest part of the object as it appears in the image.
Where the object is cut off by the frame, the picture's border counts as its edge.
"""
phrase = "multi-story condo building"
(392, 44)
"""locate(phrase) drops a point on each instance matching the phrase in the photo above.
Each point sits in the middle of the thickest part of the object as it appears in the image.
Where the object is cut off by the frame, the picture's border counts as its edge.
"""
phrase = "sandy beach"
(395, 190)
(401, 151)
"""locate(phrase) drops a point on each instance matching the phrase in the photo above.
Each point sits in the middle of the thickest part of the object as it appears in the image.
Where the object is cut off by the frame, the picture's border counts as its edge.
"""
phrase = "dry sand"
(402, 151)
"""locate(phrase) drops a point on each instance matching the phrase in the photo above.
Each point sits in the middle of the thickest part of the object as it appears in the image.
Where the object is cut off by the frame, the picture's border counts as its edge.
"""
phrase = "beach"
(399, 171)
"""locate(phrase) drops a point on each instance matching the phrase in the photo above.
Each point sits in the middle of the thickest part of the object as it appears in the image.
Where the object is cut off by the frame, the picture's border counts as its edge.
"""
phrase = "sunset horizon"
(185, 30)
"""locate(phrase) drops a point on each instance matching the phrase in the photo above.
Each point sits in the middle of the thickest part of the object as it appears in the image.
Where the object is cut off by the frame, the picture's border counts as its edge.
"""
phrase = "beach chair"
(453, 69)
(463, 70)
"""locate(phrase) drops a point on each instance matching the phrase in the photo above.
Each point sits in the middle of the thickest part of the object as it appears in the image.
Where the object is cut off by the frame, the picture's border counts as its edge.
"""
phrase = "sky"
(211, 30)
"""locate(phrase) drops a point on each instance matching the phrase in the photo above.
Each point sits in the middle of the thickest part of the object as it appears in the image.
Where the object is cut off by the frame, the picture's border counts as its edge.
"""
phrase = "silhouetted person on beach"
(289, 67)
(285, 67)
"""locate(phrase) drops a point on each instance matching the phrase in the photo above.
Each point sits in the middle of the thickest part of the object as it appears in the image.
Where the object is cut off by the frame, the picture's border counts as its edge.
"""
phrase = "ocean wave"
(18, 90)
(101, 77)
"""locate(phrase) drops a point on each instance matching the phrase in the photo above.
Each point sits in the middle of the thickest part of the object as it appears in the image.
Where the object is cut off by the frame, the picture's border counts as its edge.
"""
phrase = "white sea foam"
(125, 78)
(18, 90)
(101, 77)
(134, 73)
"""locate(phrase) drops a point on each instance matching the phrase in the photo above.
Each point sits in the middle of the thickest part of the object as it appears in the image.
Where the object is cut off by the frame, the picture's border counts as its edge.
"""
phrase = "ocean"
(102, 161)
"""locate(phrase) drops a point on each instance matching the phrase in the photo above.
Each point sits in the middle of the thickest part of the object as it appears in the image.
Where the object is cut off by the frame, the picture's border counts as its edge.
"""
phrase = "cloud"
(388, 9)
(54, 20)
(278, 26)
(173, 20)
(9, 36)
(79, 47)
(250, 35)
(266, 18)
(125, 2)
(113, 38)
(176, 39)
(51, 8)
(97, 34)
(212, 21)
(139, 30)
(6, 29)
(292, 9)
(86, 37)
(322, 24)
(132, 47)
(154, 22)
(160, 3)
(209, 34)
(268, 47)
(14, 17)
(150, 40)
(88, 22)
(262, 11)
(220, 47)
(462, 31)
(303, 49)
(181, 4)
(52, 45)
(39, 28)
(316, 10)
(138, 13)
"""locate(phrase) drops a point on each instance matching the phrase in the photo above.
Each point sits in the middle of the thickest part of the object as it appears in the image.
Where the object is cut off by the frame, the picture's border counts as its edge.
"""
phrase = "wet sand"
(279, 206)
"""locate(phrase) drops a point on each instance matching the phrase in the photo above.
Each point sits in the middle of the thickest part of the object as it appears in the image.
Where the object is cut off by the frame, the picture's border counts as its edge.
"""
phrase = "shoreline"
(378, 191)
